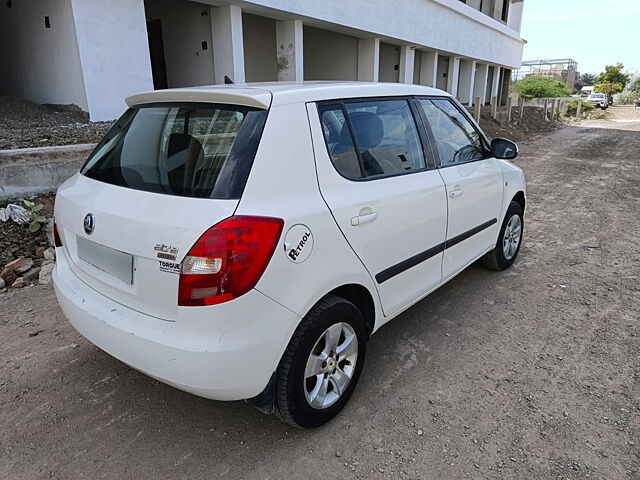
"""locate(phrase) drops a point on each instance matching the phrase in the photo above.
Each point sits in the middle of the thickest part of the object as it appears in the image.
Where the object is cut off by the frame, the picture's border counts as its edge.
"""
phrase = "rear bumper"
(223, 352)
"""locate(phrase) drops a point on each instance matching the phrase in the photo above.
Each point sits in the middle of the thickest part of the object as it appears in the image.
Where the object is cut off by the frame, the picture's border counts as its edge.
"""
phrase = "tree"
(584, 80)
(608, 88)
(634, 86)
(613, 74)
(588, 79)
(541, 87)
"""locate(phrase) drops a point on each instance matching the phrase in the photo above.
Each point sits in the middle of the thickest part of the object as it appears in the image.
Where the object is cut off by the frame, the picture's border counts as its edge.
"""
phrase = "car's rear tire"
(313, 380)
(509, 240)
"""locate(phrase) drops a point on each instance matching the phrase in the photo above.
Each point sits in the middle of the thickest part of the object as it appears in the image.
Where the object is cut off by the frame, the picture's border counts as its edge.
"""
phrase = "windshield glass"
(190, 150)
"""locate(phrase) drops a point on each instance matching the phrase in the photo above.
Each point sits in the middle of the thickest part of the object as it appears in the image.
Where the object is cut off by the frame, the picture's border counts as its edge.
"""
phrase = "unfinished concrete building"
(94, 53)
(564, 69)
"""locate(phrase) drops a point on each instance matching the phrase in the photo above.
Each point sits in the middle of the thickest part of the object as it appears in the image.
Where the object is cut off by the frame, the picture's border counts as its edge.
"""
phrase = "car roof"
(267, 94)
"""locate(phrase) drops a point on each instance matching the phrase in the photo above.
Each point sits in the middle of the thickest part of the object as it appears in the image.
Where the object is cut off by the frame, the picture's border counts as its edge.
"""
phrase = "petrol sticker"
(298, 243)
(169, 267)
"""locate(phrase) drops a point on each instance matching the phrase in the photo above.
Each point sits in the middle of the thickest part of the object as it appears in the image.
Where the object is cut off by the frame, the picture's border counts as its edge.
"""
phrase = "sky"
(594, 33)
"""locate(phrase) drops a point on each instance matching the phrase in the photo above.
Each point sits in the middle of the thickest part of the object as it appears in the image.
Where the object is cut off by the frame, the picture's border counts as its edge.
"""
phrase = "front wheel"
(509, 240)
(321, 366)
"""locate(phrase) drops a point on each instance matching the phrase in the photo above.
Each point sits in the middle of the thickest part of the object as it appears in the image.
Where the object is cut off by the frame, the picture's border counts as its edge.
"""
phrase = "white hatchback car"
(243, 242)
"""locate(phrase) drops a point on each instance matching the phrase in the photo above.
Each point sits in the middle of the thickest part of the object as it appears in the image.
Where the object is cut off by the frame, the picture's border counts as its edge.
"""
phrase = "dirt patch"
(531, 124)
(25, 124)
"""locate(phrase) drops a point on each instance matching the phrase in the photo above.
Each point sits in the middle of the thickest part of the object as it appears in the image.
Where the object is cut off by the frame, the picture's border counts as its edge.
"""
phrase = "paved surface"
(533, 373)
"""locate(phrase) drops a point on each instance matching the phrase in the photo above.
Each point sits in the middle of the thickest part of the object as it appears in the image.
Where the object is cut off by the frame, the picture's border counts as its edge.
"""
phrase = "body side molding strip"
(398, 268)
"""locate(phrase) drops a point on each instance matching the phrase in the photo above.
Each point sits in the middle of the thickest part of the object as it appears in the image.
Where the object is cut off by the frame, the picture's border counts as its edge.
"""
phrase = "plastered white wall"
(114, 53)
(417, 66)
(259, 38)
(459, 29)
(37, 63)
(329, 55)
(185, 25)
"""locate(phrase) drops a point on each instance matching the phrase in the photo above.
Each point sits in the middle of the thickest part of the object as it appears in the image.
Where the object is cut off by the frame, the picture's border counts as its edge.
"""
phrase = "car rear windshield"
(188, 150)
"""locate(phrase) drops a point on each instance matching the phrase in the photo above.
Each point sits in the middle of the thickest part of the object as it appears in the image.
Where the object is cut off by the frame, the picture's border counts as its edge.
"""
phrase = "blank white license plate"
(113, 262)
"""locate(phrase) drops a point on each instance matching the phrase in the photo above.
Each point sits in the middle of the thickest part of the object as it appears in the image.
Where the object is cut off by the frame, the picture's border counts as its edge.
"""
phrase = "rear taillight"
(56, 236)
(228, 260)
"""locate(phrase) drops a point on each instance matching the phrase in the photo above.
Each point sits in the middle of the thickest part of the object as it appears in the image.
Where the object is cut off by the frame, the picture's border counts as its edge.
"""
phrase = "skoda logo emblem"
(89, 223)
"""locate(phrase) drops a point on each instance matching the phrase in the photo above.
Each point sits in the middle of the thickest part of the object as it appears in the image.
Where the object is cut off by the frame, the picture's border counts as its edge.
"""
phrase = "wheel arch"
(520, 199)
(362, 298)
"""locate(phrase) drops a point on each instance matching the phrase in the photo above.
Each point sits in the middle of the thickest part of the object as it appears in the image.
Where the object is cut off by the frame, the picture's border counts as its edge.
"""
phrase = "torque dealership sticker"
(298, 243)
(169, 267)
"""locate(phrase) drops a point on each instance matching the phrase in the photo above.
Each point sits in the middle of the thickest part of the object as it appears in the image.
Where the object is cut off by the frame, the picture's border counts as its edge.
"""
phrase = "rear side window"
(386, 138)
(339, 142)
(456, 138)
(189, 150)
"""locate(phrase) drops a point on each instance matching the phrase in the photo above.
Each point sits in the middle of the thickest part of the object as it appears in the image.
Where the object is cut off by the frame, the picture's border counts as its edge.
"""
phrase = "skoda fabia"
(244, 242)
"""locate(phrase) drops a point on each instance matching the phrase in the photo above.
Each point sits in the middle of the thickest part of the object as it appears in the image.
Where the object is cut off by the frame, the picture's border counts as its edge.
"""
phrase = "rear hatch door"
(162, 176)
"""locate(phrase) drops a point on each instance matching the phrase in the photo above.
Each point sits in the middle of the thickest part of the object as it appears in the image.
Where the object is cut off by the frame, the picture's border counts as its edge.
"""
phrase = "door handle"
(360, 219)
(456, 192)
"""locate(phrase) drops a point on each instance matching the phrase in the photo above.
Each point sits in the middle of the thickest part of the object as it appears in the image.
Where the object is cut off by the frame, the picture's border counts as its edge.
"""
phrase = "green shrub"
(635, 86)
(541, 87)
(36, 219)
(626, 98)
(572, 106)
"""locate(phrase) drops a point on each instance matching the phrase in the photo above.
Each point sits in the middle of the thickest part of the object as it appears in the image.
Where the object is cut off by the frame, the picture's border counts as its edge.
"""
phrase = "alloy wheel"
(331, 365)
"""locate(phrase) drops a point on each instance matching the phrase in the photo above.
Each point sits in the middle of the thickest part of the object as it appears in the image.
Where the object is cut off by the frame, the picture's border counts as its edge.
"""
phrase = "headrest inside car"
(368, 129)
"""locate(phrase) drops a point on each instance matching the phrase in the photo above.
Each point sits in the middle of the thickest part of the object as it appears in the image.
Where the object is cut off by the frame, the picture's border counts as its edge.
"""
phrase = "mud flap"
(265, 400)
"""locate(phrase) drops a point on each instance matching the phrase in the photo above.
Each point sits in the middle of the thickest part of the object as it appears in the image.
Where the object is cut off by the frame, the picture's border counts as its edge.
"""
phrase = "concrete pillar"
(453, 75)
(113, 65)
(480, 87)
(429, 69)
(545, 108)
(579, 108)
(487, 7)
(368, 59)
(495, 87)
(228, 50)
(467, 79)
(289, 50)
(407, 59)
(496, 12)
(514, 18)
(521, 107)
(477, 109)
(509, 105)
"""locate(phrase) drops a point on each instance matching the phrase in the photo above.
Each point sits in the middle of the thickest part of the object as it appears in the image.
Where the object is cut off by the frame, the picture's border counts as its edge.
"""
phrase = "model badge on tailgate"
(166, 252)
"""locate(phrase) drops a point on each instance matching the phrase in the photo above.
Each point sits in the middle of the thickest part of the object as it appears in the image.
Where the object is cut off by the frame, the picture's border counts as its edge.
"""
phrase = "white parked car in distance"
(244, 242)
(599, 100)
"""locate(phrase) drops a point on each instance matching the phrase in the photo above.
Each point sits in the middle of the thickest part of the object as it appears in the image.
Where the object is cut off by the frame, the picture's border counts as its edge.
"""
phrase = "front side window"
(456, 138)
(386, 138)
(197, 150)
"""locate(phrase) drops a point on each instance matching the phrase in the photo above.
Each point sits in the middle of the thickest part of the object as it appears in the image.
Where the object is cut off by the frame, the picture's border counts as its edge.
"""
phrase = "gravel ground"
(24, 124)
(532, 373)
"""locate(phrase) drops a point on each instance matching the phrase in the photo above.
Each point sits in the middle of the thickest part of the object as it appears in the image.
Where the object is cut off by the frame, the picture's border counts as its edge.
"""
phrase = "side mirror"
(504, 149)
